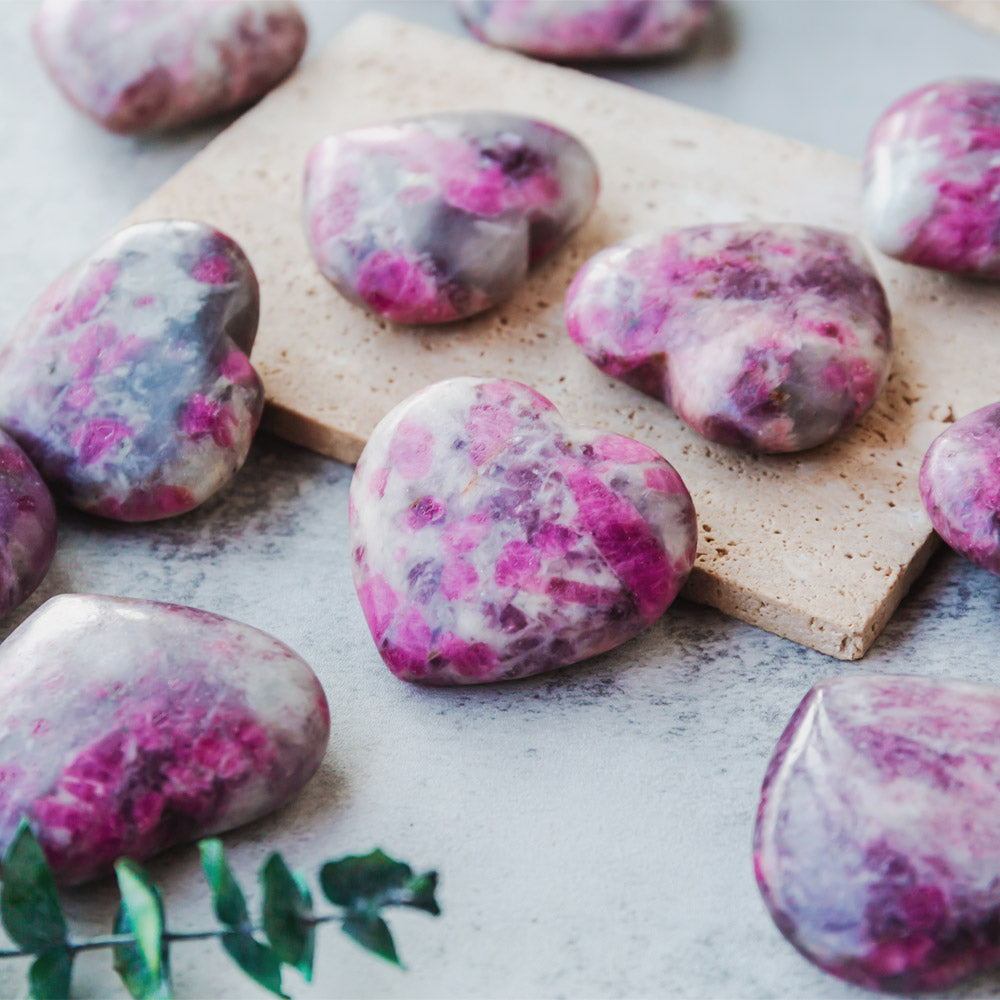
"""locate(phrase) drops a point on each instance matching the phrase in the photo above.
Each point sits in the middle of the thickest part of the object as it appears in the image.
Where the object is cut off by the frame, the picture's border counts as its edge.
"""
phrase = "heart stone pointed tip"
(575, 30)
(434, 219)
(144, 65)
(960, 486)
(491, 539)
(767, 338)
(128, 383)
(932, 178)
(876, 845)
(129, 726)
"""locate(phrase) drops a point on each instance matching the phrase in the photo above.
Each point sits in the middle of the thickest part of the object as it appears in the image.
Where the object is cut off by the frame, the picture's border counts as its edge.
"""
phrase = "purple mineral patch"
(27, 526)
(434, 219)
(141, 65)
(492, 540)
(129, 726)
(960, 486)
(587, 29)
(932, 178)
(128, 383)
(876, 846)
(771, 339)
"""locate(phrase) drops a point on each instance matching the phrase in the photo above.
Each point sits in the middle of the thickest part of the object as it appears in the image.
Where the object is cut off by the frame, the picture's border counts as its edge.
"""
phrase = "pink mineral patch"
(515, 542)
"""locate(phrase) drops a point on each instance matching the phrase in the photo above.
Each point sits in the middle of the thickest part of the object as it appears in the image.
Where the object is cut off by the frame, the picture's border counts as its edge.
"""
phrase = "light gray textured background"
(593, 826)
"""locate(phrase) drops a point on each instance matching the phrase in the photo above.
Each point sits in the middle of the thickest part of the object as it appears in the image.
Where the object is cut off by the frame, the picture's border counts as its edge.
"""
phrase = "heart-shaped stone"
(141, 65)
(128, 726)
(876, 846)
(771, 339)
(433, 219)
(493, 540)
(27, 526)
(128, 384)
(960, 486)
(932, 178)
(587, 29)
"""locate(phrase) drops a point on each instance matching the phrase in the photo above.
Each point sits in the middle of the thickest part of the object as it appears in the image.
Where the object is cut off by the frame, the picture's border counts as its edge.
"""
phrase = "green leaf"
(143, 966)
(371, 881)
(227, 897)
(255, 959)
(371, 932)
(29, 904)
(49, 975)
(286, 912)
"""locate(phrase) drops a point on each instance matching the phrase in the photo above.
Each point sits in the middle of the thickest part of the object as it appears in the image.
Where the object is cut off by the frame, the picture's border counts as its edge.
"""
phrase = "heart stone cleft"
(493, 540)
(876, 845)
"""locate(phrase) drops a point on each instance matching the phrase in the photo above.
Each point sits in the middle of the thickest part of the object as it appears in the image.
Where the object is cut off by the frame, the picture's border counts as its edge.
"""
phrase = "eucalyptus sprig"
(362, 887)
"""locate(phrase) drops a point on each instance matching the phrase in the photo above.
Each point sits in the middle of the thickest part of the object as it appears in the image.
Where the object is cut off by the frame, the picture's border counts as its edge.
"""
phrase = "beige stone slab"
(985, 13)
(818, 548)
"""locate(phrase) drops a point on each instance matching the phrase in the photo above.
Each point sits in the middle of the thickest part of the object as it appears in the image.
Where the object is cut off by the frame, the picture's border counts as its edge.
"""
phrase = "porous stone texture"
(960, 486)
(932, 178)
(129, 726)
(768, 338)
(587, 29)
(144, 65)
(128, 382)
(875, 846)
(491, 540)
(27, 526)
(438, 218)
(819, 546)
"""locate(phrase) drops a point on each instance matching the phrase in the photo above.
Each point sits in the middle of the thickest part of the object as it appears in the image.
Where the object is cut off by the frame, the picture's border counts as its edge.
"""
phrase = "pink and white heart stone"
(491, 539)
(768, 338)
(876, 845)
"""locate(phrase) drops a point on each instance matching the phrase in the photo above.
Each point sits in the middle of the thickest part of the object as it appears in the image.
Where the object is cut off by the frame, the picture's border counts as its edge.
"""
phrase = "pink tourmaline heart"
(960, 486)
(932, 178)
(129, 726)
(876, 846)
(768, 338)
(493, 540)
(140, 65)
(434, 219)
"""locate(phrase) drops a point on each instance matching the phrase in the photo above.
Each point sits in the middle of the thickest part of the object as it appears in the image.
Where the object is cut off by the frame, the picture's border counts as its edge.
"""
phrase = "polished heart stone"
(142, 65)
(129, 726)
(772, 339)
(960, 486)
(876, 846)
(491, 539)
(27, 526)
(434, 219)
(587, 29)
(932, 178)
(128, 384)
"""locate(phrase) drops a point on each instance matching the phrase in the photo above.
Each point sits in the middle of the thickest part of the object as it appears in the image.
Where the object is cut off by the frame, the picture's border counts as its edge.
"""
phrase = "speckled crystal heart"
(434, 219)
(491, 539)
(128, 383)
(876, 847)
(769, 338)
(127, 727)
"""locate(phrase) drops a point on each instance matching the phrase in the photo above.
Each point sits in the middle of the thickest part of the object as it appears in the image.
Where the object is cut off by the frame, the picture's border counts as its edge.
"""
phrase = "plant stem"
(113, 940)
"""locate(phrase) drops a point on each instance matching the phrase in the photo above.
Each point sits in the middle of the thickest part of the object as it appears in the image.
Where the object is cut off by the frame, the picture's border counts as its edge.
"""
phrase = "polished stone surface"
(768, 338)
(127, 727)
(493, 540)
(587, 29)
(932, 177)
(438, 218)
(145, 65)
(27, 526)
(876, 848)
(592, 825)
(128, 382)
(960, 486)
